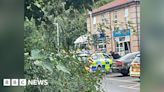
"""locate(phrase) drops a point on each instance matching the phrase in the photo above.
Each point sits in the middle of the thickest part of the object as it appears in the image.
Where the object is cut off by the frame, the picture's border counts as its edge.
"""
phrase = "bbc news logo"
(23, 82)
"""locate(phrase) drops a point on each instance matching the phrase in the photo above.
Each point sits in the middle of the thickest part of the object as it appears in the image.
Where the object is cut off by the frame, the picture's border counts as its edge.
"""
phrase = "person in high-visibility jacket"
(100, 61)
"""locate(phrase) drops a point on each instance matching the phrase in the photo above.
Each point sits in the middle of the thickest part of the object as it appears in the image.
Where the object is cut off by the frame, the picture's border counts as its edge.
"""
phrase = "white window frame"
(126, 14)
(94, 20)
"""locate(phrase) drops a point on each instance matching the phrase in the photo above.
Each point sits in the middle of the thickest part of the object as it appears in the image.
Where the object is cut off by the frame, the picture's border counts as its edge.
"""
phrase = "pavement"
(117, 83)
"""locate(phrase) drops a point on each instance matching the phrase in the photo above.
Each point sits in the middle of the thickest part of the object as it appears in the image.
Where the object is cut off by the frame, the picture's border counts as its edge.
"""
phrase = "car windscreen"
(128, 56)
(137, 59)
(97, 56)
(83, 58)
(106, 56)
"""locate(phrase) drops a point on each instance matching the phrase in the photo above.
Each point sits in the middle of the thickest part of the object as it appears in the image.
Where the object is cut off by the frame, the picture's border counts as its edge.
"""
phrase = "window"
(103, 19)
(121, 39)
(94, 57)
(104, 46)
(129, 56)
(126, 14)
(115, 15)
(101, 46)
(116, 28)
(106, 56)
(137, 59)
(94, 22)
(115, 21)
(97, 56)
(94, 26)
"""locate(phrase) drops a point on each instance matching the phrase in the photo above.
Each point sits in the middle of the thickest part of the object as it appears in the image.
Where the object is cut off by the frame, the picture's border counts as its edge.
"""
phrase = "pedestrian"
(115, 55)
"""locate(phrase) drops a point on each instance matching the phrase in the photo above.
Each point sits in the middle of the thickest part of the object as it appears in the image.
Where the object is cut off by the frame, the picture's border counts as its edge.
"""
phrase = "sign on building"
(119, 33)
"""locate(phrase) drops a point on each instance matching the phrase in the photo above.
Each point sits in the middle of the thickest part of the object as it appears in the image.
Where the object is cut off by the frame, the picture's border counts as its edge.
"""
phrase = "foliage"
(80, 5)
(72, 25)
(64, 73)
(38, 9)
(95, 39)
(99, 3)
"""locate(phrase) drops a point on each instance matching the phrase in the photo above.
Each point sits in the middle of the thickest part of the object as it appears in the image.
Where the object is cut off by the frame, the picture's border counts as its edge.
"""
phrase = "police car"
(135, 67)
(100, 61)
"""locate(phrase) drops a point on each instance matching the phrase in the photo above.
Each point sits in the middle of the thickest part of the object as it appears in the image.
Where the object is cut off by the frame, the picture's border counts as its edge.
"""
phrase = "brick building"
(117, 25)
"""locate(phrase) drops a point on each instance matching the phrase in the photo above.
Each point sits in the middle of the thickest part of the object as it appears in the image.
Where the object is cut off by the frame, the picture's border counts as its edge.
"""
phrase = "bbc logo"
(14, 82)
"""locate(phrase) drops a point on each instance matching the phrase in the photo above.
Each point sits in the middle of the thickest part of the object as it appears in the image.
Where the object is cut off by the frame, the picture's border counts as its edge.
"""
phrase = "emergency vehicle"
(100, 61)
(135, 67)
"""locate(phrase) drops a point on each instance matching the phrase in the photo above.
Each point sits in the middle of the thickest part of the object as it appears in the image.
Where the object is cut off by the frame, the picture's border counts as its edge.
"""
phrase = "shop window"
(122, 39)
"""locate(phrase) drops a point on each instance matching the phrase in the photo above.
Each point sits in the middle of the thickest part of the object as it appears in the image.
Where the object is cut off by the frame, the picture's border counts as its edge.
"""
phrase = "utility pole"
(138, 32)
(91, 26)
(58, 45)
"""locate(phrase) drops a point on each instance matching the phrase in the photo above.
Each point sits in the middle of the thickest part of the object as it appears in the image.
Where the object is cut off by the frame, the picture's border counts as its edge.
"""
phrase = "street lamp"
(91, 28)
(57, 26)
(91, 20)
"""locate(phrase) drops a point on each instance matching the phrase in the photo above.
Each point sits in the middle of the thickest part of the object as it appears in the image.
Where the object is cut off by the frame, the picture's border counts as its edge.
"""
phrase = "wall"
(133, 17)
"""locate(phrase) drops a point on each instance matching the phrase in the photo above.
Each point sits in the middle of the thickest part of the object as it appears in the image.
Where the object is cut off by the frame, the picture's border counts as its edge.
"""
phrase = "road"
(117, 83)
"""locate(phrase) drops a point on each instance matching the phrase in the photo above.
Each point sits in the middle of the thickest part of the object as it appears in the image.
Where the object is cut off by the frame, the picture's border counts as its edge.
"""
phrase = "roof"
(112, 4)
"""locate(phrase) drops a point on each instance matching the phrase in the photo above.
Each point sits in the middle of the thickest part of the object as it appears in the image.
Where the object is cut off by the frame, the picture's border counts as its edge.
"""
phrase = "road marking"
(127, 81)
(131, 86)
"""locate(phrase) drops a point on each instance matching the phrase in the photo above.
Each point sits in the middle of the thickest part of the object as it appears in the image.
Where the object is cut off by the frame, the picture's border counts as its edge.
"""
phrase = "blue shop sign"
(124, 32)
(102, 35)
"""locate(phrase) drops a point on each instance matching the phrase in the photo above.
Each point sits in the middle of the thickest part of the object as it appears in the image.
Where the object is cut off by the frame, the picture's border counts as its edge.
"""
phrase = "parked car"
(135, 67)
(122, 65)
(100, 61)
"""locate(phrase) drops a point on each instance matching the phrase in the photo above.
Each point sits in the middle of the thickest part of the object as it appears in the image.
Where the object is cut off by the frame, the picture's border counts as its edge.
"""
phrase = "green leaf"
(38, 63)
(62, 68)
(35, 54)
(48, 66)
(45, 65)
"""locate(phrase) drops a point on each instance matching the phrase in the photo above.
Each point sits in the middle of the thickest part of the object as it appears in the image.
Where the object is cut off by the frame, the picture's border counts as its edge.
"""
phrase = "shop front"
(122, 41)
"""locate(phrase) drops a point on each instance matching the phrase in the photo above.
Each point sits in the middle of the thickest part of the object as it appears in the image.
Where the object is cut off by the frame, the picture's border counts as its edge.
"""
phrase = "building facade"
(117, 26)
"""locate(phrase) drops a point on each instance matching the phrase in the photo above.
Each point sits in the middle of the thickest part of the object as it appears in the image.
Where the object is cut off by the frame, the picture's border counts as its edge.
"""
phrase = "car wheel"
(98, 67)
(125, 72)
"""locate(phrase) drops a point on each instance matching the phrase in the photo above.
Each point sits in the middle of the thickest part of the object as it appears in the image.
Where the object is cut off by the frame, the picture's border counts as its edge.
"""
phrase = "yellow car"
(100, 61)
(135, 67)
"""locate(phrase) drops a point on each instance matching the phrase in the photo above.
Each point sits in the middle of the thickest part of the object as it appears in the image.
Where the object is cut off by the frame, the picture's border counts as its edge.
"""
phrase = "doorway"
(127, 48)
(123, 48)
